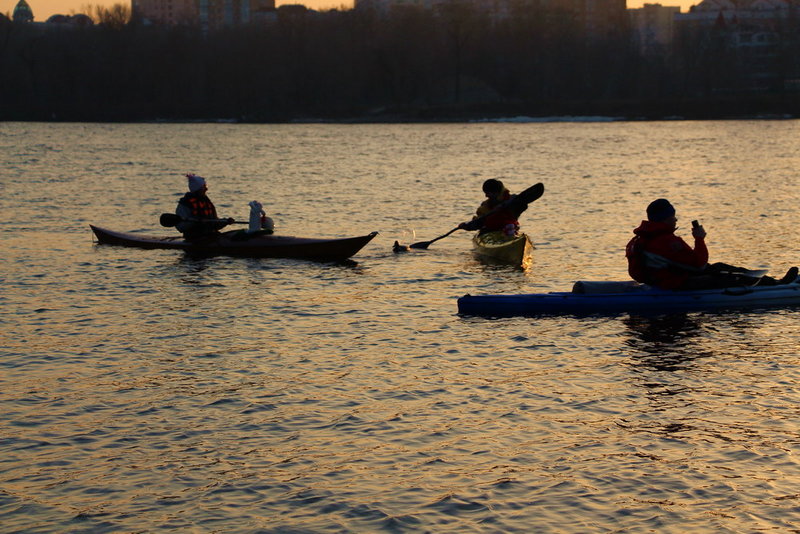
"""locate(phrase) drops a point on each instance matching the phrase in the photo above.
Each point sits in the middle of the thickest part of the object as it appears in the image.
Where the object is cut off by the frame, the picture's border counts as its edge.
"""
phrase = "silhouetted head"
(660, 210)
(493, 187)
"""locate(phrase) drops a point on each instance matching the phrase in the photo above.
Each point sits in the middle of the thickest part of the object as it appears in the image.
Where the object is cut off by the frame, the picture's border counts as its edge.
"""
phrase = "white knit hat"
(196, 183)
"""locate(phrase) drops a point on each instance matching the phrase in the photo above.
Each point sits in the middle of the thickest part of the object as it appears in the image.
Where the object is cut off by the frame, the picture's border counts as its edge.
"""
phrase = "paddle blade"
(421, 244)
(169, 219)
(532, 193)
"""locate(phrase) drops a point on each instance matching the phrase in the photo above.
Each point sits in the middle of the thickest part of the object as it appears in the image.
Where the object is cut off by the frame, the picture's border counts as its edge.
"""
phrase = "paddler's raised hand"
(698, 232)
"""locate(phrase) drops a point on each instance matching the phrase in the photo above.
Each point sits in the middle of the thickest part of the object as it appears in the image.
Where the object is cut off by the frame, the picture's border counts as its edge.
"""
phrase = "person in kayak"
(198, 214)
(657, 257)
(504, 220)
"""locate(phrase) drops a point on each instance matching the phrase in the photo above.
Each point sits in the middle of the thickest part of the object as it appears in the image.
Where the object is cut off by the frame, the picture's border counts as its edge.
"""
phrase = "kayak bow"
(513, 250)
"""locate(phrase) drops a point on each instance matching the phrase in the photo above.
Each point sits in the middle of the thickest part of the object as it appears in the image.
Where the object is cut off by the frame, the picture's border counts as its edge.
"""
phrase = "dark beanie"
(492, 186)
(660, 209)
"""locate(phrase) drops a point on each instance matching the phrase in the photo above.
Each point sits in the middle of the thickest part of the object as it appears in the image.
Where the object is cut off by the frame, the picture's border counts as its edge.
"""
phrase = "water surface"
(150, 391)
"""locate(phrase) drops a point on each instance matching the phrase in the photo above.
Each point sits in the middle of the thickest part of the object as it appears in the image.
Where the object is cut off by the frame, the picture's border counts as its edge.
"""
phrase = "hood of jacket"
(650, 229)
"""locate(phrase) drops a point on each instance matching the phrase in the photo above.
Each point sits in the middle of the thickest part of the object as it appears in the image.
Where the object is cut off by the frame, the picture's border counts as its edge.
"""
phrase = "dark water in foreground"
(148, 391)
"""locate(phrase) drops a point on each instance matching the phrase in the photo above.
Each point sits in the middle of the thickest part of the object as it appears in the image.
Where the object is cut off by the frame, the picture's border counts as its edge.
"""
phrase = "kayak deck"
(238, 243)
(515, 250)
(604, 298)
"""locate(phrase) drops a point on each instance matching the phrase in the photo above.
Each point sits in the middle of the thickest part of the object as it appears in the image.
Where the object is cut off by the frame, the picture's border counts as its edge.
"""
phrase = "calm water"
(144, 391)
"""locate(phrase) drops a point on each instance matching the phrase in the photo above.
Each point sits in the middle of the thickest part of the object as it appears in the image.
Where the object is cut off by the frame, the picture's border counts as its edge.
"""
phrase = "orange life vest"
(201, 206)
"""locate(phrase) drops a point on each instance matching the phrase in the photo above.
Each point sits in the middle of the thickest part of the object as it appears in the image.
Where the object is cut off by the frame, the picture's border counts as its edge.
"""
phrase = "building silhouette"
(653, 28)
(22, 12)
(752, 36)
(207, 14)
(599, 18)
(168, 13)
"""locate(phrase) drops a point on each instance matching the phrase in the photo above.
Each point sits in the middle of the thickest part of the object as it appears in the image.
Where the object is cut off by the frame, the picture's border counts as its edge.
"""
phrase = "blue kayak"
(589, 298)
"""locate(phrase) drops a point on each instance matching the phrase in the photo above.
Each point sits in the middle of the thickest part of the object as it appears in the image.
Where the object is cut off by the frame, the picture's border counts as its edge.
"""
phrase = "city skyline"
(43, 9)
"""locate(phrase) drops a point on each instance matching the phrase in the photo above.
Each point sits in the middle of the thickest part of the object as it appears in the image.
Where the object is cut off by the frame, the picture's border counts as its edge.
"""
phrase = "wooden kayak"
(604, 298)
(513, 250)
(240, 244)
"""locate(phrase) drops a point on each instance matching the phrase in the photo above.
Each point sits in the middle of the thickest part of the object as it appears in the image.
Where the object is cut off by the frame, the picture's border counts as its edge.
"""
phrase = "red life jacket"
(201, 206)
(658, 238)
(637, 268)
(501, 218)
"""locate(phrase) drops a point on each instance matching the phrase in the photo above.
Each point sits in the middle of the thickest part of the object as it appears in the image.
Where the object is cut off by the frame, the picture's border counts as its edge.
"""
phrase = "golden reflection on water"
(149, 390)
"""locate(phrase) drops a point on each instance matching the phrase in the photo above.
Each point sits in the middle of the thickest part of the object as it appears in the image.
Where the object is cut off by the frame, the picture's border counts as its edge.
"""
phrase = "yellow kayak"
(513, 250)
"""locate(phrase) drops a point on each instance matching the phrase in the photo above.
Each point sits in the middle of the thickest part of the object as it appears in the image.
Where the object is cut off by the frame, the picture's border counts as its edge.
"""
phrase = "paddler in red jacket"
(198, 214)
(656, 256)
(504, 220)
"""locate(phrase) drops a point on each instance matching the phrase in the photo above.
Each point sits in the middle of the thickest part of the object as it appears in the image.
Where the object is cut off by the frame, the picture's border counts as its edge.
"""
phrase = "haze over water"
(149, 391)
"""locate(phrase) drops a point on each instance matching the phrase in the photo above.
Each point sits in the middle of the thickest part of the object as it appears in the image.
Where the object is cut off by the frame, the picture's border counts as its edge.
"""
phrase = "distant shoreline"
(519, 119)
(783, 106)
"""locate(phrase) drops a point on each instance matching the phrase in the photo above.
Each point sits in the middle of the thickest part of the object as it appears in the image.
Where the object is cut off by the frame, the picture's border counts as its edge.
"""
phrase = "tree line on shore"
(352, 65)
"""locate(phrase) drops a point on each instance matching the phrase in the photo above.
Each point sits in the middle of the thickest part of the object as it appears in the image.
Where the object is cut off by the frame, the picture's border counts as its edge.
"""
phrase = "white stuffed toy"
(258, 219)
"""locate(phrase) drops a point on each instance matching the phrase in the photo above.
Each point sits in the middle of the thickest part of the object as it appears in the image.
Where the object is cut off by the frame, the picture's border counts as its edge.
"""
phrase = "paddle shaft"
(428, 243)
(170, 219)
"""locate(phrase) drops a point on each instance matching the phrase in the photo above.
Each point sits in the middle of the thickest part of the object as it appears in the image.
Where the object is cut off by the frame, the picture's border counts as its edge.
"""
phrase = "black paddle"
(170, 219)
(520, 202)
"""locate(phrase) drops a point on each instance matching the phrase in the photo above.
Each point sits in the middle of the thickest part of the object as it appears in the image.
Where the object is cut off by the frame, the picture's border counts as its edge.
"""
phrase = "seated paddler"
(197, 212)
(658, 257)
(490, 216)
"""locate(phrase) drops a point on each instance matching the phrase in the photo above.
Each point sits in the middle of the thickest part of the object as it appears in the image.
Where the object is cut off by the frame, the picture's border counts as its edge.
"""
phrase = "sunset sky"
(42, 9)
